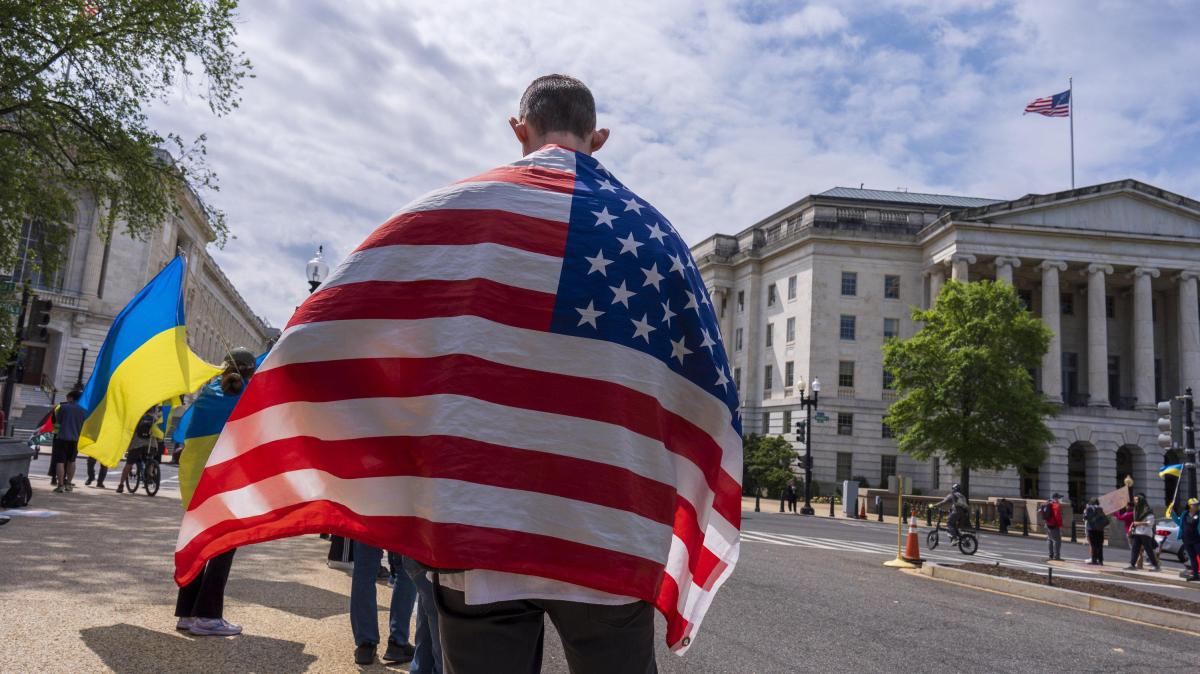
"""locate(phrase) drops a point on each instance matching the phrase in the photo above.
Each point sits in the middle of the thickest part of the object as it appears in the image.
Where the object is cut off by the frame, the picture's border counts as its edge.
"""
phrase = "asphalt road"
(797, 608)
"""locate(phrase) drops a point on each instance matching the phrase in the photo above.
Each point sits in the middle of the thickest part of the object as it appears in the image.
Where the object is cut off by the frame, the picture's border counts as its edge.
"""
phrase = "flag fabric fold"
(1058, 105)
(521, 372)
(145, 359)
(1173, 469)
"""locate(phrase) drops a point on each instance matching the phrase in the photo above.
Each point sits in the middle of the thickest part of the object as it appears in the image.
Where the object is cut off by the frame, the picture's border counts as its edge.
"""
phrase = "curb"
(1116, 608)
(1163, 578)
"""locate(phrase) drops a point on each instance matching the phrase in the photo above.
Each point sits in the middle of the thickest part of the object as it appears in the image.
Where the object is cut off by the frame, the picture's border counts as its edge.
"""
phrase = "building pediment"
(1127, 207)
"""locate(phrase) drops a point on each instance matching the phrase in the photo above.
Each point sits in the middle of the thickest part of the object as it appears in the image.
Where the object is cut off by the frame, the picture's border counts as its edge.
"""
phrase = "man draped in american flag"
(519, 382)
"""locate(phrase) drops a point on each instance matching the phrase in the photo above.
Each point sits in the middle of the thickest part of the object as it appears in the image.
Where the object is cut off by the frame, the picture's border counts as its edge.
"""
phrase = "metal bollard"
(879, 510)
(1025, 523)
(1074, 537)
(977, 513)
(831, 506)
(928, 516)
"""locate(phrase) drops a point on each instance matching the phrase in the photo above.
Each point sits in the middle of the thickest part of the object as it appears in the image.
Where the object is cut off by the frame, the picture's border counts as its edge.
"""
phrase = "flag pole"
(1071, 116)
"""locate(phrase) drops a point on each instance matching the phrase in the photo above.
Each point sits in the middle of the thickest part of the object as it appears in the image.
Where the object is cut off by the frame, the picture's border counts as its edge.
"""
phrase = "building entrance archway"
(1081, 459)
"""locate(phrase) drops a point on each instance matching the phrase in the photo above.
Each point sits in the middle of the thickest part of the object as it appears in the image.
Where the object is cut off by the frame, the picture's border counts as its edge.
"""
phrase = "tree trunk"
(964, 481)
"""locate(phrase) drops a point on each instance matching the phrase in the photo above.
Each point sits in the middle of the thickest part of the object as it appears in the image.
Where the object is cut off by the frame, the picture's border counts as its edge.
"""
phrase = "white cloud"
(721, 113)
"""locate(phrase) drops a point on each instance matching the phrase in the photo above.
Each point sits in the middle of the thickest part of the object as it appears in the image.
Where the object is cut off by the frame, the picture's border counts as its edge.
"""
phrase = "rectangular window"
(1026, 298)
(846, 374)
(846, 327)
(891, 287)
(889, 380)
(770, 334)
(845, 466)
(887, 468)
(787, 422)
(737, 378)
(1067, 302)
(789, 374)
(771, 295)
(891, 327)
(885, 431)
(1110, 306)
(737, 339)
(741, 301)
(849, 283)
(791, 330)
(767, 371)
(791, 287)
(766, 423)
(845, 423)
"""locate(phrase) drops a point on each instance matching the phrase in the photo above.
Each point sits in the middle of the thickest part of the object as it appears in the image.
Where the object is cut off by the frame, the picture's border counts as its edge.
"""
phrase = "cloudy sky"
(721, 112)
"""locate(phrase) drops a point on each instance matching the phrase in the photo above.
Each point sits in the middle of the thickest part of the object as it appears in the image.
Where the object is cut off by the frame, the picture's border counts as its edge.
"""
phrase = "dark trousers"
(792, 504)
(1192, 551)
(1095, 539)
(204, 597)
(1004, 522)
(1136, 545)
(91, 467)
(506, 637)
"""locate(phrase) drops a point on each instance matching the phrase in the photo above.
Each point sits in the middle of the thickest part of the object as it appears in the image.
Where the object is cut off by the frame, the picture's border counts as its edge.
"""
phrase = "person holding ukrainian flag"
(145, 360)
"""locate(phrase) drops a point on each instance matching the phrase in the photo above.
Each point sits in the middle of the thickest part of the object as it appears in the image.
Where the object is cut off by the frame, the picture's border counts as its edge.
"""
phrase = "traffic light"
(800, 428)
(1170, 424)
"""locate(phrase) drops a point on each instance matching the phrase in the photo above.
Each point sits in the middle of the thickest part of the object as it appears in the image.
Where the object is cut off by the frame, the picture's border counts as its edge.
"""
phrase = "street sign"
(820, 417)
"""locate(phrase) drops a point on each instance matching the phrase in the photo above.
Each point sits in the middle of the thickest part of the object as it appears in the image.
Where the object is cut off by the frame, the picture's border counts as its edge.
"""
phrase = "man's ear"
(599, 137)
(519, 129)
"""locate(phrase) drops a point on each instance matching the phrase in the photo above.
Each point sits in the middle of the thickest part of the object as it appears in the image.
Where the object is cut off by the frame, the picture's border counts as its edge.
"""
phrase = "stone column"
(1052, 317)
(959, 264)
(1097, 339)
(1143, 337)
(937, 277)
(1189, 332)
(1004, 268)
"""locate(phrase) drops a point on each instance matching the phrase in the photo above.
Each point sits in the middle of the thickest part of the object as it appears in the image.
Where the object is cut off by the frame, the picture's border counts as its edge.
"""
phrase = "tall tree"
(75, 79)
(964, 384)
(768, 461)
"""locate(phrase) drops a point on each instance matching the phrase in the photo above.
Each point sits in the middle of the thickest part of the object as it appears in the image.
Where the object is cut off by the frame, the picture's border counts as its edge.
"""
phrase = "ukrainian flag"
(1174, 469)
(145, 360)
(208, 415)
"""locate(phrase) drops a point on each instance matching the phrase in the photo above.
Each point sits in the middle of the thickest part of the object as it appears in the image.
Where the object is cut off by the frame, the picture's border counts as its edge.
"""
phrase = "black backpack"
(20, 491)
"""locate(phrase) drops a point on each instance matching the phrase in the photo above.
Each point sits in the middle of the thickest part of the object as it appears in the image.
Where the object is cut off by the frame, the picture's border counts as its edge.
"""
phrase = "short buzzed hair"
(559, 103)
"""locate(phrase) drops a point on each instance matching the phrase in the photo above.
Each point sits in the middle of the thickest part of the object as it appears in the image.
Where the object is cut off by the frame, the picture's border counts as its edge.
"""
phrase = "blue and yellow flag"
(145, 360)
(1174, 469)
(209, 413)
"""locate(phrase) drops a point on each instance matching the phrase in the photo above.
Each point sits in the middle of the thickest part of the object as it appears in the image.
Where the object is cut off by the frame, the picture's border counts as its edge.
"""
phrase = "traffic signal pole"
(1189, 432)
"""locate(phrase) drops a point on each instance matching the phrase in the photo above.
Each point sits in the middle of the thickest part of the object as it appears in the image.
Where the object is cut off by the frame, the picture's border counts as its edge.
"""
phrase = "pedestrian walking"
(200, 605)
(1051, 513)
(364, 619)
(427, 659)
(93, 475)
(1189, 533)
(1004, 511)
(68, 418)
(1095, 523)
(1141, 534)
(789, 493)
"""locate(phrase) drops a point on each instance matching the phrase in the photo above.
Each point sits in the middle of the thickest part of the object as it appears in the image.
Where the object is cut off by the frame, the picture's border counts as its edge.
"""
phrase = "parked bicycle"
(966, 541)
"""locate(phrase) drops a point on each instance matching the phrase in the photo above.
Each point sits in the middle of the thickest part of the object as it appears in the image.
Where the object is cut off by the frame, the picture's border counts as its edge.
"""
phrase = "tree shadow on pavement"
(296, 598)
(130, 648)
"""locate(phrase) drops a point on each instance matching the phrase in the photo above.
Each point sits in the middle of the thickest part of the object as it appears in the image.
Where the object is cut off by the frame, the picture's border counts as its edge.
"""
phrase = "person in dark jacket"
(1095, 522)
(1004, 510)
(1189, 533)
(1052, 517)
(789, 494)
(1141, 534)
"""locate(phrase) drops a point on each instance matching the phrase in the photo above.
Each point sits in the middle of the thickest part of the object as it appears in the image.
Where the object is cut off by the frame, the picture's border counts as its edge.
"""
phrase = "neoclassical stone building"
(813, 290)
(98, 278)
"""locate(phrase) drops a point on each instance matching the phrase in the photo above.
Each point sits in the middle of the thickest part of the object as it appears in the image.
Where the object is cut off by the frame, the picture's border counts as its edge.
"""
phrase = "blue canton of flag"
(628, 278)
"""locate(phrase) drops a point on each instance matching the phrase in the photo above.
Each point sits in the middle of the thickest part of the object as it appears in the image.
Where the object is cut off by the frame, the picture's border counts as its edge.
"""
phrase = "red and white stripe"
(1045, 106)
(418, 402)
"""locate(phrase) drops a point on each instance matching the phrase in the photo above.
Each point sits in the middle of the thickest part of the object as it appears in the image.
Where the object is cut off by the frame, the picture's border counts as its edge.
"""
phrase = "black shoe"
(88, 482)
(4, 519)
(399, 653)
(1190, 579)
(100, 485)
(364, 655)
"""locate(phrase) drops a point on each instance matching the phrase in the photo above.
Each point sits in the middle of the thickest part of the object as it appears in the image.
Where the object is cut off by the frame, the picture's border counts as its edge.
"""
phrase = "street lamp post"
(82, 359)
(316, 270)
(808, 401)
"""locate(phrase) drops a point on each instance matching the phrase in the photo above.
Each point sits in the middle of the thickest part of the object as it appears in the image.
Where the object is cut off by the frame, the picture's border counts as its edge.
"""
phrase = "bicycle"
(145, 471)
(967, 543)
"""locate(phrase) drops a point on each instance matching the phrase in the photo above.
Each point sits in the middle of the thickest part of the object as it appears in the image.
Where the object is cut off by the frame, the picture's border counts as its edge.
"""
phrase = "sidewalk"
(1168, 576)
(90, 589)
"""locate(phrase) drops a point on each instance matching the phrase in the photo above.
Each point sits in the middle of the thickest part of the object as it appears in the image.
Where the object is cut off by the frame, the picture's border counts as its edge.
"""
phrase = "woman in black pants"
(1095, 522)
(1141, 534)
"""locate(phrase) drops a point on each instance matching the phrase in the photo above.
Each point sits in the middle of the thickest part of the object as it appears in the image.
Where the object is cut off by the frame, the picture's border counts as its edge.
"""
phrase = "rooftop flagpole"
(1071, 116)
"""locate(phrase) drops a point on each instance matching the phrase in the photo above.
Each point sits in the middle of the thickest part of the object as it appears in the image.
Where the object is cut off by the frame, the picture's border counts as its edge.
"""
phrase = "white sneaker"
(184, 624)
(216, 627)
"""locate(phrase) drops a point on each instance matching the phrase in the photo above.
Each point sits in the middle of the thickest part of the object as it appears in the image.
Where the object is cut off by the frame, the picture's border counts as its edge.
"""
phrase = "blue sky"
(721, 112)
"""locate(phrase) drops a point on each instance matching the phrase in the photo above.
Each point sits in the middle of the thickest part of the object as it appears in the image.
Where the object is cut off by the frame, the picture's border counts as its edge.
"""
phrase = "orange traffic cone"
(912, 547)
(862, 513)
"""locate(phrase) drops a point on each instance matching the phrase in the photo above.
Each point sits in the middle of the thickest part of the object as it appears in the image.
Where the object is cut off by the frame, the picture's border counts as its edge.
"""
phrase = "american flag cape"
(521, 372)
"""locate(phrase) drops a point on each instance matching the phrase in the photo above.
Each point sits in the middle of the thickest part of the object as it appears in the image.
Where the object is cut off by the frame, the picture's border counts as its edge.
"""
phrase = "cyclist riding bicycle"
(139, 448)
(959, 511)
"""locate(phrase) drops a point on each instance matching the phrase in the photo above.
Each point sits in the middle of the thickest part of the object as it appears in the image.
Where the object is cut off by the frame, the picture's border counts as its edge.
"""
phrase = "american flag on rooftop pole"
(521, 373)
(1059, 105)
